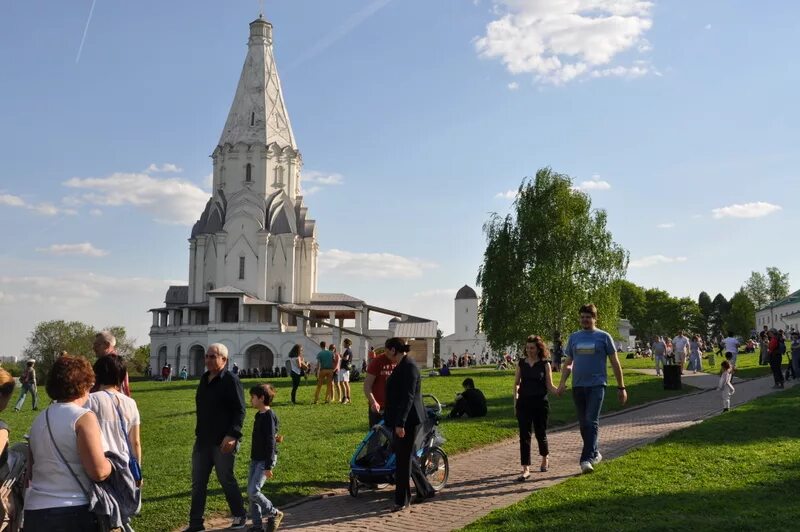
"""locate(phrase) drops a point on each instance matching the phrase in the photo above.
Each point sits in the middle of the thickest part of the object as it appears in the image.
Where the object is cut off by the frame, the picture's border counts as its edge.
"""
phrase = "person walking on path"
(297, 368)
(696, 353)
(28, 382)
(680, 348)
(220, 414)
(777, 347)
(324, 373)
(725, 385)
(587, 352)
(105, 344)
(796, 354)
(263, 458)
(763, 344)
(404, 415)
(378, 371)
(532, 382)
(337, 364)
(659, 354)
(345, 365)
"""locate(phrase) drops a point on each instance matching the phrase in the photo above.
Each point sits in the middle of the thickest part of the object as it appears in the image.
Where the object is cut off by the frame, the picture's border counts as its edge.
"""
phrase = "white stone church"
(253, 252)
(467, 337)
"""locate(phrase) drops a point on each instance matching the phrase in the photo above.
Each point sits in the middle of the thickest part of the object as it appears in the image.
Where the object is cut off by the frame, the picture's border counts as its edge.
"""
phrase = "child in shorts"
(263, 457)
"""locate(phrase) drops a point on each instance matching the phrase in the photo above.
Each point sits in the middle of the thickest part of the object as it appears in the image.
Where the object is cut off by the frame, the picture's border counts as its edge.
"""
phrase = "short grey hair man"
(104, 343)
(221, 350)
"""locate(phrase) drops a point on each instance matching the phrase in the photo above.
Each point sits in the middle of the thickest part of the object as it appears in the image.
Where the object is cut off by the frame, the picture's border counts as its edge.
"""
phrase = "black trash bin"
(672, 377)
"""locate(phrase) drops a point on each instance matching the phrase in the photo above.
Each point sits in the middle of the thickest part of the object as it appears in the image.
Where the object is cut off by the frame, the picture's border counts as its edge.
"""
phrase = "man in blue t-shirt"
(587, 351)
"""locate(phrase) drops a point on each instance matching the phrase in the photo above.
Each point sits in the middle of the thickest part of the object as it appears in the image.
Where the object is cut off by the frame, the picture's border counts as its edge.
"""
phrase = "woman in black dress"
(533, 380)
(403, 415)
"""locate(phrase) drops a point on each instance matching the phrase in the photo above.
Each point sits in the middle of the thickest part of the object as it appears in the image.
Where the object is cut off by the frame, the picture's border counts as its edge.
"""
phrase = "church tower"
(254, 235)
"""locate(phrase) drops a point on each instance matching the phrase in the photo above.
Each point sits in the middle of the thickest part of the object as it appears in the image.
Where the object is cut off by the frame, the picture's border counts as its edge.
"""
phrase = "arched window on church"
(279, 175)
(252, 119)
(248, 172)
(280, 294)
(241, 268)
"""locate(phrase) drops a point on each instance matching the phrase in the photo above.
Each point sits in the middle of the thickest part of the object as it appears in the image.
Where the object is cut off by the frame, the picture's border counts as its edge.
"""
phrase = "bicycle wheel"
(436, 467)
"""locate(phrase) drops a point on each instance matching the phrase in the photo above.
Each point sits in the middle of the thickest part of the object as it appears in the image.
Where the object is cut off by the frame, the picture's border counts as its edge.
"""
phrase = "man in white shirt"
(731, 345)
(680, 348)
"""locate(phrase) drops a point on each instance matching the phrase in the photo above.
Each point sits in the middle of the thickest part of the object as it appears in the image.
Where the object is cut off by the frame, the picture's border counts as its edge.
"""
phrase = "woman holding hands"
(533, 380)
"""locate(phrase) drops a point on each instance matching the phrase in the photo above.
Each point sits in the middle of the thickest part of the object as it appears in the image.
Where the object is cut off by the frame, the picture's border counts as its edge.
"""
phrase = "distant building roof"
(334, 298)
(466, 292)
(177, 295)
(791, 298)
(415, 329)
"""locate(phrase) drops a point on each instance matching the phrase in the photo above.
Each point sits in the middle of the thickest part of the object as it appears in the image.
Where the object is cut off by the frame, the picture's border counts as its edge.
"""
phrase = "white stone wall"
(466, 318)
(772, 317)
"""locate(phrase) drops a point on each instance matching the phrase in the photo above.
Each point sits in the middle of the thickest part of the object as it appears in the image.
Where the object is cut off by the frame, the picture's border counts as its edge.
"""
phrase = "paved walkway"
(699, 380)
(483, 480)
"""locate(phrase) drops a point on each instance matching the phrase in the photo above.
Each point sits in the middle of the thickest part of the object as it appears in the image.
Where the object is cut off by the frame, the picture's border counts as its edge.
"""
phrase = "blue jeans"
(27, 388)
(588, 402)
(696, 362)
(259, 504)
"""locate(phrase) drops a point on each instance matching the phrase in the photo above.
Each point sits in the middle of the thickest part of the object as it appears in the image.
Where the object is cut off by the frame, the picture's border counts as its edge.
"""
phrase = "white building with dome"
(253, 252)
(467, 337)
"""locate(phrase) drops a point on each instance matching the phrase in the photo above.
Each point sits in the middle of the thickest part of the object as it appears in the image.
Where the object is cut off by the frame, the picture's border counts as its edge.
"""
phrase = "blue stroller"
(373, 464)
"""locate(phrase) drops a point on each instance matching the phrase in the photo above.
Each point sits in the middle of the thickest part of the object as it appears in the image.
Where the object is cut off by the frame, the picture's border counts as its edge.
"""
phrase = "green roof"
(791, 298)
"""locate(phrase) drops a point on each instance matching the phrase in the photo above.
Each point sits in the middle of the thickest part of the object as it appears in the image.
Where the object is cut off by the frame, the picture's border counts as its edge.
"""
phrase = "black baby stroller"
(373, 464)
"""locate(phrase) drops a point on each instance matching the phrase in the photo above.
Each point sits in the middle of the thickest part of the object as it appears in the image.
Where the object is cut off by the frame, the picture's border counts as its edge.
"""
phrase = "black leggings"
(775, 364)
(532, 412)
(295, 385)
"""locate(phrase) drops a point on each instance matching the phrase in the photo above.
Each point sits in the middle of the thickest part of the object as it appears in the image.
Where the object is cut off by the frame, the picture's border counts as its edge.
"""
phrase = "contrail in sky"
(85, 31)
(355, 20)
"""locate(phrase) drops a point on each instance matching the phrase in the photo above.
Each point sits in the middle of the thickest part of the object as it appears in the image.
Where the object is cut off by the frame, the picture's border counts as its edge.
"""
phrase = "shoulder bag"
(133, 463)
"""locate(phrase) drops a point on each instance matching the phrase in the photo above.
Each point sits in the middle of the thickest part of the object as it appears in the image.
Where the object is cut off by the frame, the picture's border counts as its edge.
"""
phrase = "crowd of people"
(86, 451)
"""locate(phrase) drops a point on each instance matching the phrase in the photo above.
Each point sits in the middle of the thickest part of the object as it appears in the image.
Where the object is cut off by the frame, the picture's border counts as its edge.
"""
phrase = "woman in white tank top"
(65, 436)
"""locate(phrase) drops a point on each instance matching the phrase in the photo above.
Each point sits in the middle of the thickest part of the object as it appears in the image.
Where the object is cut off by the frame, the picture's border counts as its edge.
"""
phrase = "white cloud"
(508, 194)
(595, 183)
(668, 225)
(708, 26)
(322, 178)
(372, 265)
(168, 200)
(562, 40)
(45, 209)
(96, 212)
(655, 260)
(166, 168)
(84, 248)
(756, 209)
(436, 293)
(513, 86)
(77, 288)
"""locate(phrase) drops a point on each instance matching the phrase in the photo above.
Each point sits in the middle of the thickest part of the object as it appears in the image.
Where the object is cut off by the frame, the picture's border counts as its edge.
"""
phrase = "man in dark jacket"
(472, 402)
(404, 415)
(220, 415)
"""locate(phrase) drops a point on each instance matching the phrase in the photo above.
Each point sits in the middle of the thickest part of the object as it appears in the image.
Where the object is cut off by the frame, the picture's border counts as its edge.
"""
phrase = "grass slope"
(737, 471)
(319, 438)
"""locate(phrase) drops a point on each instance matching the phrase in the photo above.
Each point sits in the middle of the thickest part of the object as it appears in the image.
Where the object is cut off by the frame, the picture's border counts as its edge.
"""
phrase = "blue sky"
(414, 119)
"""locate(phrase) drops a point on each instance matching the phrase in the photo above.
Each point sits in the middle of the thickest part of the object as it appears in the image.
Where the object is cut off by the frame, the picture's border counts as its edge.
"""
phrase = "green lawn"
(319, 438)
(737, 471)
(747, 365)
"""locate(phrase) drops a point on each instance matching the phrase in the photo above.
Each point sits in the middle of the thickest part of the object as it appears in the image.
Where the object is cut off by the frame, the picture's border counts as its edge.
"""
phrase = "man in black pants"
(403, 416)
(471, 402)
(777, 347)
(220, 414)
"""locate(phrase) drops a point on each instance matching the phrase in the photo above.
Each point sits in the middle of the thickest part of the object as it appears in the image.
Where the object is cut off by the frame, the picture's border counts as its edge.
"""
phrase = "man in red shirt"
(378, 371)
(105, 345)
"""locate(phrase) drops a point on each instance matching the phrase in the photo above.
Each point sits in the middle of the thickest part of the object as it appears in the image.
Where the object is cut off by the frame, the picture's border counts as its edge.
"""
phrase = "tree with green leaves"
(777, 284)
(633, 303)
(140, 360)
(719, 315)
(49, 338)
(706, 310)
(553, 254)
(757, 289)
(742, 314)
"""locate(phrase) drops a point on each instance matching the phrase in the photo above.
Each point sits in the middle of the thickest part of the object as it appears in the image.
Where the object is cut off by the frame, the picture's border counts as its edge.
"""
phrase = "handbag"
(133, 463)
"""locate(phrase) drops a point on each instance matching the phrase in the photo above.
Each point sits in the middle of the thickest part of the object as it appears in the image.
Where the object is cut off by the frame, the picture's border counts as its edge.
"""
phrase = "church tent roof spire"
(258, 114)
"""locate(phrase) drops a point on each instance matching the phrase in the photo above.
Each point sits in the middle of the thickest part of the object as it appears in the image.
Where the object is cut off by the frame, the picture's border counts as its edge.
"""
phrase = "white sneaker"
(597, 459)
(586, 467)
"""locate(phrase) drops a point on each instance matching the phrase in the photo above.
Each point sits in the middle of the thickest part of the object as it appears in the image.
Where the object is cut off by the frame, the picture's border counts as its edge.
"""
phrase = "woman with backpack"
(66, 453)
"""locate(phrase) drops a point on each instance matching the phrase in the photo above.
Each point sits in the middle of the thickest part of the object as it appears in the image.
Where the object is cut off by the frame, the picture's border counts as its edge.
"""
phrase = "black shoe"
(399, 507)
(238, 523)
(725, 409)
(420, 498)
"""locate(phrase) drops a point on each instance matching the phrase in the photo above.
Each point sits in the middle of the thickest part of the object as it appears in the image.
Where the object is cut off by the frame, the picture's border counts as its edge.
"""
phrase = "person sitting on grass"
(471, 402)
(263, 457)
(725, 385)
